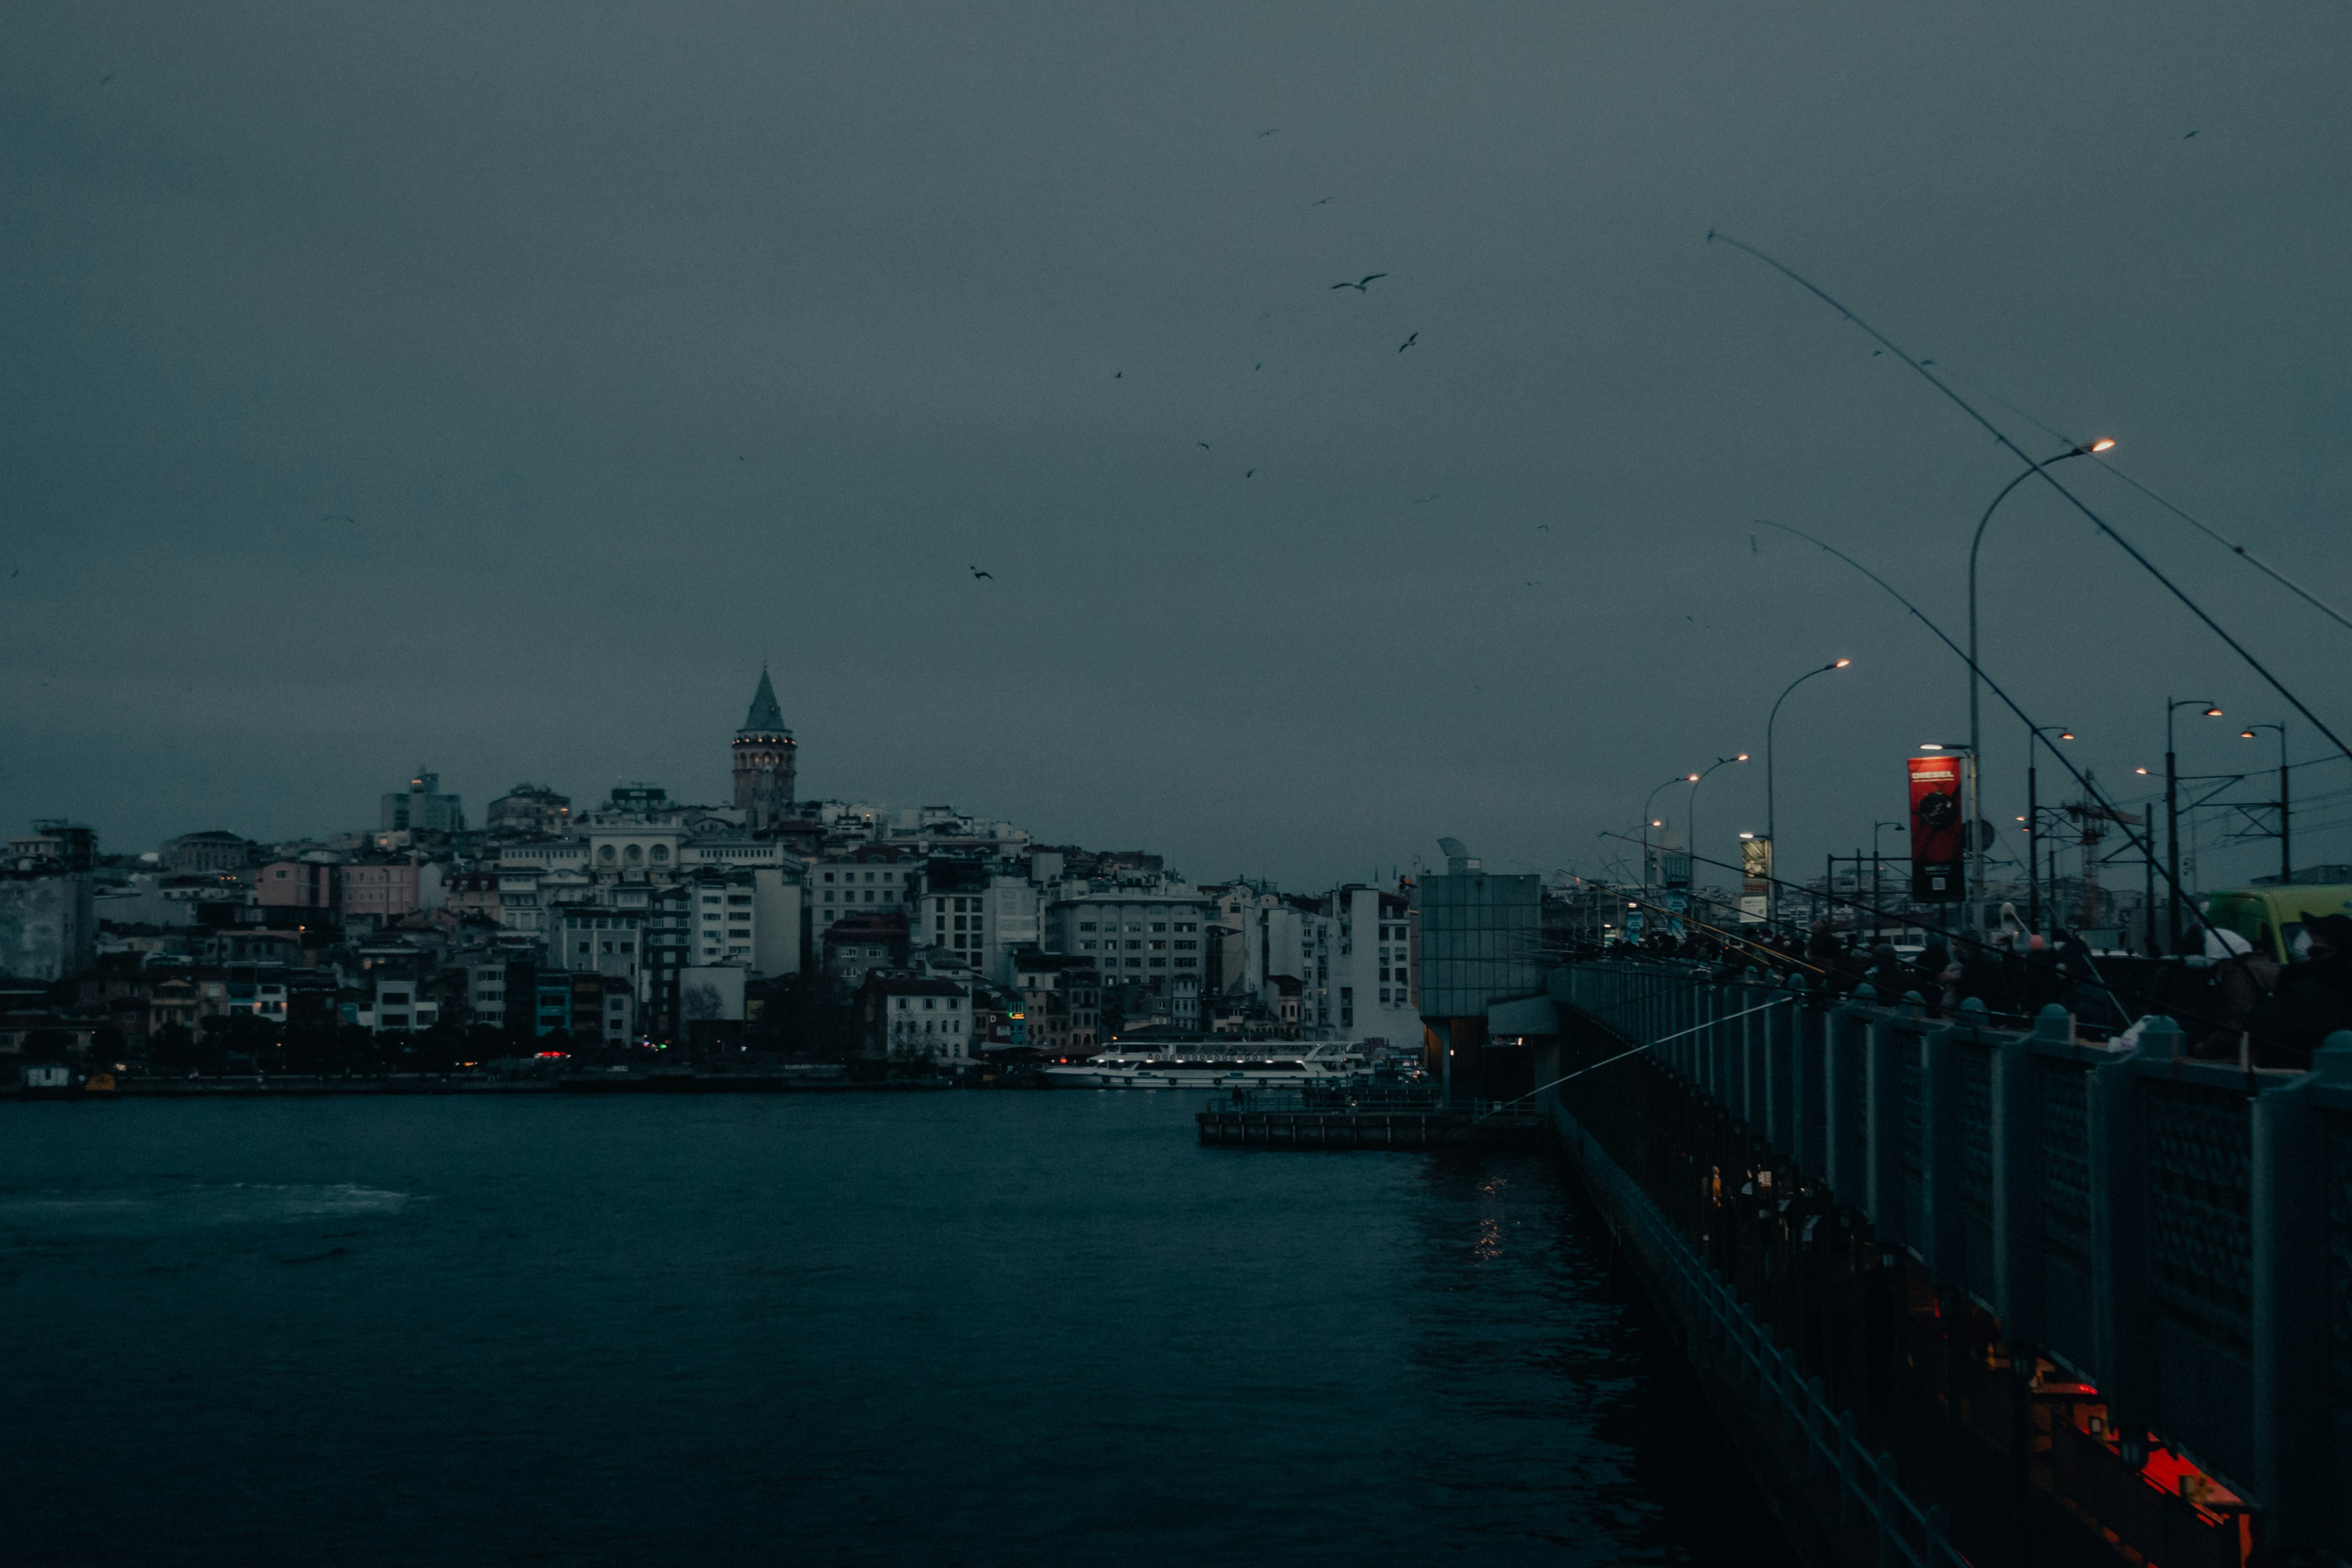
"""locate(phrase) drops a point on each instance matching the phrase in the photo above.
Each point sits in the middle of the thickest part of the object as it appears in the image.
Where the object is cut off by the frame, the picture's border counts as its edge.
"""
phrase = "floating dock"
(1328, 1119)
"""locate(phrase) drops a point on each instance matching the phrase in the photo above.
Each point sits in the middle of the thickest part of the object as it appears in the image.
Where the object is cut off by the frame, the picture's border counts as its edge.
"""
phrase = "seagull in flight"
(1264, 134)
(977, 575)
(1249, 473)
(1202, 445)
(1408, 343)
(1331, 198)
(1425, 500)
(1543, 528)
(1365, 286)
(339, 517)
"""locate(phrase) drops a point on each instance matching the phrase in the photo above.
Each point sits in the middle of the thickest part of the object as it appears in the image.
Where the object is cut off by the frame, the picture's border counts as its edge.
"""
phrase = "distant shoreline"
(301, 1087)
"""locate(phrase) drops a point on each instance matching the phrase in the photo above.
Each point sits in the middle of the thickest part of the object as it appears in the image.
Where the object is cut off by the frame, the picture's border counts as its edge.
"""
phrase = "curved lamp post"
(1690, 806)
(1648, 823)
(2172, 809)
(1772, 823)
(1975, 877)
(2286, 860)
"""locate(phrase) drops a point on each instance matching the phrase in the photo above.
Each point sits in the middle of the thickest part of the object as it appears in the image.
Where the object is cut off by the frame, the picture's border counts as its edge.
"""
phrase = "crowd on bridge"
(2241, 1005)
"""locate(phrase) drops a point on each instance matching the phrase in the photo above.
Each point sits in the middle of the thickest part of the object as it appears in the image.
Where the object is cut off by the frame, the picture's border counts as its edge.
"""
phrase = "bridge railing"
(2179, 1232)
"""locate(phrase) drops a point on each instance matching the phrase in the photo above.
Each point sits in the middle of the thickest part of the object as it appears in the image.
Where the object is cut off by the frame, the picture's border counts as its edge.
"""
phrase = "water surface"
(956, 1328)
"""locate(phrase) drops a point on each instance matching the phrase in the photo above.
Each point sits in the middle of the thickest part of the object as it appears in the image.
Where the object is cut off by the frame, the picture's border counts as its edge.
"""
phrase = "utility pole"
(2172, 810)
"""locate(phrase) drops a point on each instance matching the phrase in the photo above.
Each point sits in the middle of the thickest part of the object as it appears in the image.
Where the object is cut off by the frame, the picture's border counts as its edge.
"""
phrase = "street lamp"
(2033, 733)
(1772, 823)
(2286, 860)
(1690, 805)
(1975, 736)
(1648, 822)
(2172, 806)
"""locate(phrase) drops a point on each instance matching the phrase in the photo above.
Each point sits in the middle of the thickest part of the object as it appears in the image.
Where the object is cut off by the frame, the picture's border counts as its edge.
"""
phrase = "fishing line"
(2042, 472)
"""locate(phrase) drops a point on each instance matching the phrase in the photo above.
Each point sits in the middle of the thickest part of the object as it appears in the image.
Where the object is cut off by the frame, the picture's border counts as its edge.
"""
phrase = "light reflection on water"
(974, 1328)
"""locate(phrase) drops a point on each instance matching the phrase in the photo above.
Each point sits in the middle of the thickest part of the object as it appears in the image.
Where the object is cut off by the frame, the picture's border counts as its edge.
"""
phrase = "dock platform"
(1336, 1118)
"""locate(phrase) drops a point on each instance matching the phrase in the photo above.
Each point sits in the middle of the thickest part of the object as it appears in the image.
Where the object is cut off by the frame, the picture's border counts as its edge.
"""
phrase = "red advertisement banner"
(1936, 834)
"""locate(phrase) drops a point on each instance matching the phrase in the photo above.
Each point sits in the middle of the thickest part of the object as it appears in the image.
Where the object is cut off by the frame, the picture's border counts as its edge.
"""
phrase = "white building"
(921, 1018)
(1135, 938)
(868, 879)
(981, 917)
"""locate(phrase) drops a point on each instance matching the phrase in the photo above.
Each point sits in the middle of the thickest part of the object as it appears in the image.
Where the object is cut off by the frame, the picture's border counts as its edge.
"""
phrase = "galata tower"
(765, 762)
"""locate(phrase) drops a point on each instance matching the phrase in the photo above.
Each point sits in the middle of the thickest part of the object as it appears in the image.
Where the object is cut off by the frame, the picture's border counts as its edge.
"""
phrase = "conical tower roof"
(765, 717)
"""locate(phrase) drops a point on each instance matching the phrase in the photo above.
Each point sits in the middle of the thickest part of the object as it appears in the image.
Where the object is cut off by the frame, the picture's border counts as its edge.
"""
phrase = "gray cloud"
(642, 342)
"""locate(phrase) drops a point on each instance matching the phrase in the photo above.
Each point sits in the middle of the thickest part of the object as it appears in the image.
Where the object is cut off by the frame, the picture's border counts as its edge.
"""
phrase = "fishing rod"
(2125, 999)
(2041, 471)
(1636, 1051)
(2114, 812)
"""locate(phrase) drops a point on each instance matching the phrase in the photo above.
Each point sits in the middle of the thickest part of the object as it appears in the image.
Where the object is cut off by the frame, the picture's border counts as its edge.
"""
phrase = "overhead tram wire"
(2081, 778)
(2041, 471)
(2233, 546)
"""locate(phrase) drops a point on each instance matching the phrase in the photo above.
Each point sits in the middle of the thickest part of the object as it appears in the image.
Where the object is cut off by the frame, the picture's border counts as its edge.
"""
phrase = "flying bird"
(1257, 367)
(1365, 286)
(1543, 528)
(339, 517)
(1117, 373)
(2186, 138)
(1325, 199)
(977, 575)
(1264, 134)
(1423, 501)
(1408, 343)
(1249, 473)
(109, 77)
(1202, 445)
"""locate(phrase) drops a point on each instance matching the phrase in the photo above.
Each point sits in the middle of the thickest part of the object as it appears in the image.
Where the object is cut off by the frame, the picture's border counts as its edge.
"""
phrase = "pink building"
(384, 890)
(296, 884)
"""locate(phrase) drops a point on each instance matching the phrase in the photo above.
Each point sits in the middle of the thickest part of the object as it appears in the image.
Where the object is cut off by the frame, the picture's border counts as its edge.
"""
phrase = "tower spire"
(766, 759)
(765, 717)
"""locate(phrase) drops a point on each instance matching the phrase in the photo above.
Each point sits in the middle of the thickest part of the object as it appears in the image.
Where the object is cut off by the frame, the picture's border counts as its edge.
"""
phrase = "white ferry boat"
(1213, 1064)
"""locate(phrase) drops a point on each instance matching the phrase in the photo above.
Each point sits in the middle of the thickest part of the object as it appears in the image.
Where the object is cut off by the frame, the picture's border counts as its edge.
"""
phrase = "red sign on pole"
(1936, 841)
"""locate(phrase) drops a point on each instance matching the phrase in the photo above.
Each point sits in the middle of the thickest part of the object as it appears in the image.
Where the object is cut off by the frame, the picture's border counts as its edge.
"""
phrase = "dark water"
(960, 1328)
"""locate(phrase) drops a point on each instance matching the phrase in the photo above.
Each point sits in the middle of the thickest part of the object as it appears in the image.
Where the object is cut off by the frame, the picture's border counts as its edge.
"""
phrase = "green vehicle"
(2272, 916)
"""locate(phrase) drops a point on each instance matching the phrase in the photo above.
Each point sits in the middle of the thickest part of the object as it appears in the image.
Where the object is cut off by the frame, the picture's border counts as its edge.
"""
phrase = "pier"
(1367, 1119)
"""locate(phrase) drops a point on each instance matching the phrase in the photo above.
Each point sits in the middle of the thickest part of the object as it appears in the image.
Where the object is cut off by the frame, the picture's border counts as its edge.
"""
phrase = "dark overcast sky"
(642, 341)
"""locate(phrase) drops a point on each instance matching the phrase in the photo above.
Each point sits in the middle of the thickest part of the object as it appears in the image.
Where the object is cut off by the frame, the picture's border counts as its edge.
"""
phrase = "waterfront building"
(1480, 947)
(906, 1017)
(1061, 1001)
